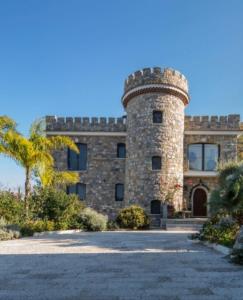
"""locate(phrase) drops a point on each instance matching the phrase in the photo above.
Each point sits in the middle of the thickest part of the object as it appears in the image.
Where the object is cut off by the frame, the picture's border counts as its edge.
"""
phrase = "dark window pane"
(156, 163)
(72, 160)
(81, 191)
(78, 189)
(78, 161)
(157, 116)
(121, 150)
(195, 157)
(119, 192)
(211, 155)
(155, 206)
(71, 189)
(82, 157)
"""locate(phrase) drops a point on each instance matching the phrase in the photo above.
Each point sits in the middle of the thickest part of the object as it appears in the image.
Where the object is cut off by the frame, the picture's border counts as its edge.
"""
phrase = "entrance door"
(199, 203)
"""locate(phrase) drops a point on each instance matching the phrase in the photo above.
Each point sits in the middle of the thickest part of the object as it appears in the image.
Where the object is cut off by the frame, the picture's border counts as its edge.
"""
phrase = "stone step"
(178, 224)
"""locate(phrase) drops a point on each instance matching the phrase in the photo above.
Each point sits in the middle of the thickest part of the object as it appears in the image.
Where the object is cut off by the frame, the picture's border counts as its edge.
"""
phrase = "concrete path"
(115, 266)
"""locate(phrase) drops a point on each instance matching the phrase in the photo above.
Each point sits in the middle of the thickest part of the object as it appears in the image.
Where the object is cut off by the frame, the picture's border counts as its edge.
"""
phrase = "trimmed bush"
(91, 220)
(133, 217)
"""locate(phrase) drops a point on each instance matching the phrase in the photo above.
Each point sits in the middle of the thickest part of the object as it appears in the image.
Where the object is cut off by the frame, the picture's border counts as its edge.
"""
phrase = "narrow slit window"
(157, 116)
(156, 163)
(119, 192)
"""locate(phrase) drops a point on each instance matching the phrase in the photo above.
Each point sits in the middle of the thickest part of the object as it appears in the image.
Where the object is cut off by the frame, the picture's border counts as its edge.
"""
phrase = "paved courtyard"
(116, 265)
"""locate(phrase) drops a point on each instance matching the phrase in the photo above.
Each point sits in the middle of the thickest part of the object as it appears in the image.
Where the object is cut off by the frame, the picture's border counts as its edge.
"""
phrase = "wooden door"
(199, 203)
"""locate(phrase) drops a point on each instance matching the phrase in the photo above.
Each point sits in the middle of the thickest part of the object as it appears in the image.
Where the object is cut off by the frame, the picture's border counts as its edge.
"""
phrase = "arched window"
(157, 116)
(155, 207)
(78, 189)
(203, 157)
(121, 150)
(78, 161)
(156, 163)
(119, 192)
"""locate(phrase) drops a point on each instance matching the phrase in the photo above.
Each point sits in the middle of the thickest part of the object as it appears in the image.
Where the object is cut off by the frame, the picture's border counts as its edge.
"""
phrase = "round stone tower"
(154, 100)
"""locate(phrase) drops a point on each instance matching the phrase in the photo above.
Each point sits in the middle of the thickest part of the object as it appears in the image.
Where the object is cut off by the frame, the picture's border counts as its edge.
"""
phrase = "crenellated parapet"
(155, 80)
(85, 124)
(230, 122)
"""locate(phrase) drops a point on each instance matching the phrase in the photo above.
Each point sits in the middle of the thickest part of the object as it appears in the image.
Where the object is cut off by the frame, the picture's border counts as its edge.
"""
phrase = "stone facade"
(147, 91)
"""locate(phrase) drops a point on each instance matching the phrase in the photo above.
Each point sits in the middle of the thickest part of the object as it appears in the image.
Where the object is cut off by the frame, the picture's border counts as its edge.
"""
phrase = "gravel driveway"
(116, 265)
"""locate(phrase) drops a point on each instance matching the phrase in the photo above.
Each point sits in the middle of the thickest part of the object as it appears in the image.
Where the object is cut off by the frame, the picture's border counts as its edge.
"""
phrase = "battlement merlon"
(156, 79)
(229, 123)
(54, 123)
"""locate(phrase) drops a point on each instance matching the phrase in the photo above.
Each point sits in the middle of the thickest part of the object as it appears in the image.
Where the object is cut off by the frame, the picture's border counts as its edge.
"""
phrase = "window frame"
(118, 199)
(117, 150)
(153, 116)
(77, 158)
(203, 155)
(76, 190)
(155, 157)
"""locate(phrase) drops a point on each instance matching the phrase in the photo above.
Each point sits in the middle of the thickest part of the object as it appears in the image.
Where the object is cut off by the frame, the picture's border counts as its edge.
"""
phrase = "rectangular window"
(78, 161)
(121, 150)
(81, 191)
(203, 157)
(195, 157)
(156, 163)
(157, 116)
(211, 154)
(78, 189)
(119, 192)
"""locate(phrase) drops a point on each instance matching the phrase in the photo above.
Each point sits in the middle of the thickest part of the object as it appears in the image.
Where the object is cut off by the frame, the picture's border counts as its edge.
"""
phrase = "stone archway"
(199, 202)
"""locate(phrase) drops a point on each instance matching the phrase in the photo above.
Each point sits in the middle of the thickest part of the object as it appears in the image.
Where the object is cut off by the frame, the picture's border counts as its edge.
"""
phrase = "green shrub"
(5, 235)
(11, 207)
(229, 195)
(91, 220)
(133, 217)
(221, 231)
(8, 232)
(30, 227)
(112, 225)
(55, 205)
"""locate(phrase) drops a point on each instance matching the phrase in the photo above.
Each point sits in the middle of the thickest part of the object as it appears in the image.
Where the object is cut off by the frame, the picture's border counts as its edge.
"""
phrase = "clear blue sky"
(70, 58)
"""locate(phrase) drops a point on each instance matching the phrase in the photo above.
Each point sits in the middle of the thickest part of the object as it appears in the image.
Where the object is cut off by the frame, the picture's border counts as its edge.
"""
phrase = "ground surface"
(116, 265)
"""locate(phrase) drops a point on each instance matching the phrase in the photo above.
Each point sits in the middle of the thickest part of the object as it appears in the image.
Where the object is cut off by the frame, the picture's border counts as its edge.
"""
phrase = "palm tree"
(33, 153)
(6, 124)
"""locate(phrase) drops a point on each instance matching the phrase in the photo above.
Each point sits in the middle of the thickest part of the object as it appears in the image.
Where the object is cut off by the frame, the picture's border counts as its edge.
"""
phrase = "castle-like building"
(153, 153)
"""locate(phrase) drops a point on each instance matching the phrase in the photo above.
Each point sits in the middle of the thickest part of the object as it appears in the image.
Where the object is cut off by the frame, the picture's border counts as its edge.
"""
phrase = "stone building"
(152, 154)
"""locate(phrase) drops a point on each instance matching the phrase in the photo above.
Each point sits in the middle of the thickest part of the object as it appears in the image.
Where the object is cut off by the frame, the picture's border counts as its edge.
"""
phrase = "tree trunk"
(27, 192)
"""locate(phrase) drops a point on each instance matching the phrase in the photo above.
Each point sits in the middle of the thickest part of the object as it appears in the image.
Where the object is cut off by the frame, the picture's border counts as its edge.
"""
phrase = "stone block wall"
(104, 170)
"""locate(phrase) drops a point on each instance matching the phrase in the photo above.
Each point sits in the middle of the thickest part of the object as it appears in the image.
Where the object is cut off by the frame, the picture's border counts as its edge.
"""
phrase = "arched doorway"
(199, 202)
(155, 207)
